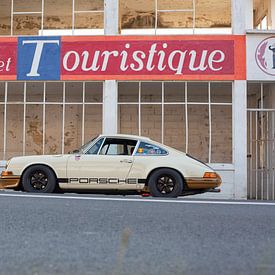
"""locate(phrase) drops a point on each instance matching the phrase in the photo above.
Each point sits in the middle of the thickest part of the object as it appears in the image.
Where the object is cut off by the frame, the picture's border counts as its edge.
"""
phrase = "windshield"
(84, 146)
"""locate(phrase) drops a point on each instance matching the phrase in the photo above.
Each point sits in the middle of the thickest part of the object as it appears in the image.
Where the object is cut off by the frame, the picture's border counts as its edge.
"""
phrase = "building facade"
(196, 75)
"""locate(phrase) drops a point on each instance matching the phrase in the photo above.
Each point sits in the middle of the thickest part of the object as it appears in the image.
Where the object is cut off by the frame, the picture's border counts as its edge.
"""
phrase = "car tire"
(39, 179)
(165, 183)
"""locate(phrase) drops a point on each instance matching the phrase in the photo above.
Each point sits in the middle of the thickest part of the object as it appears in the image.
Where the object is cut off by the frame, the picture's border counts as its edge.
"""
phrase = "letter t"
(37, 54)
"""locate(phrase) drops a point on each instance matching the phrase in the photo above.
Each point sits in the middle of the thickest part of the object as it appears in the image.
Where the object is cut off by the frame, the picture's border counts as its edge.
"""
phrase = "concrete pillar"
(242, 20)
(110, 107)
(271, 14)
(240, 138)
(242, 16)
(111, 18)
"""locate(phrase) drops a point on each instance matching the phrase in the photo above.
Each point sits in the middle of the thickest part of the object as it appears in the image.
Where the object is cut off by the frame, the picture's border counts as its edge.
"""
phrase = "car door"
(108, 168)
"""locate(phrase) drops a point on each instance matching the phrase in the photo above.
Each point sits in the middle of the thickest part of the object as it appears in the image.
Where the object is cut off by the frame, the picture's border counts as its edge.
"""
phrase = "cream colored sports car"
(114, 162)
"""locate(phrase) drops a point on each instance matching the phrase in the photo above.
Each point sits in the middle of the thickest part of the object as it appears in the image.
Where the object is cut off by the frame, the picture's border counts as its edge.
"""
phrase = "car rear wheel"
(40, 179)
(165, 183)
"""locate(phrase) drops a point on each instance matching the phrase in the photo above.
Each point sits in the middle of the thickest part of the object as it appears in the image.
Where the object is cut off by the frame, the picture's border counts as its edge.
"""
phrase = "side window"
(112, 149)
(94, 149)
(149, 149)
(115, 146)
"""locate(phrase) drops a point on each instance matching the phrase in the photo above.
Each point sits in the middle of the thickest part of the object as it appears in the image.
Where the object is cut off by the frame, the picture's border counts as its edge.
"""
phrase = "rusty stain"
(34, 132)
(12, 134)
(69, 141)
(51, 145)
(37, 152)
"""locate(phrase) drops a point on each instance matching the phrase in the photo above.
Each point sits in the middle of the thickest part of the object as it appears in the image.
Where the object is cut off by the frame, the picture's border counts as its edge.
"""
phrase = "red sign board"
(196, 57)
(8, 58)
(154, 57)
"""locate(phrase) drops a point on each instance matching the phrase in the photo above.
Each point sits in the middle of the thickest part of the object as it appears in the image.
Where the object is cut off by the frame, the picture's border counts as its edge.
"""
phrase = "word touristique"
(157, 59)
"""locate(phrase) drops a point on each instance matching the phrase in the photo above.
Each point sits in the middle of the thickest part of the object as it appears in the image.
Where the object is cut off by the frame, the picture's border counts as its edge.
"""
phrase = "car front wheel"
(39, 179)
(165, 183)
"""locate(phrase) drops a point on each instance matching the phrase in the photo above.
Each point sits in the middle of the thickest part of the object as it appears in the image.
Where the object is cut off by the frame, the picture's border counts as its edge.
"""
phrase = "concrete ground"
(103, 234)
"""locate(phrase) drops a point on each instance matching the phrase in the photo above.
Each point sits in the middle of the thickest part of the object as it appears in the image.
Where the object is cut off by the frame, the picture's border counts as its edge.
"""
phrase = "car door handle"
(126, 161)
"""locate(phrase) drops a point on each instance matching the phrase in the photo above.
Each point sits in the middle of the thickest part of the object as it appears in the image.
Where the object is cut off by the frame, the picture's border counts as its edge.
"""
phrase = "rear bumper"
(202, 183)
(9, 181)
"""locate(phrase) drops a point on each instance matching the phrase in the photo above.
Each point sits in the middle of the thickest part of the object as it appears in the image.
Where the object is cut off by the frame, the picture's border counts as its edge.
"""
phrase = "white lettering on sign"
(152, 52)
(138, 60)
(94, 67)
(179, 67)
(212, 59)
(124, 55)
(106, 55)
(76, 61)
(202, 66)
(161, 55)
(5, 65)
(176, 60)
(38, 53)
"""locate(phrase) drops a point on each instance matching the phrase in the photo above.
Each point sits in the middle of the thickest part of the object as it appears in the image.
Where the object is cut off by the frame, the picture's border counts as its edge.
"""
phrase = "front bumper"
(9, 181)
(203, 183)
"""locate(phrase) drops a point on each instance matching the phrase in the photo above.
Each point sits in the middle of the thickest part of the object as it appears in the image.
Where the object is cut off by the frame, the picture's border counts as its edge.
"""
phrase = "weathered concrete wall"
(134, 14)
(140, 13)
(221, 117)
(128, 119)
(260, 10)
(174, 126)
(175, 117)
(14, 130)
(34, 129)
(151, 121)
(73, 121)
(93, 121)
(57, 15)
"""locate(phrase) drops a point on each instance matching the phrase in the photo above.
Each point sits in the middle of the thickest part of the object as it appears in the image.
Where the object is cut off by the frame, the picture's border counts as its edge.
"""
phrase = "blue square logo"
(38, 58)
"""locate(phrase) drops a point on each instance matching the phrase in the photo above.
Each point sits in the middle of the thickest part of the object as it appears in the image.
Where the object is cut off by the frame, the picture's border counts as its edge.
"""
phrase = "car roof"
(126, 136)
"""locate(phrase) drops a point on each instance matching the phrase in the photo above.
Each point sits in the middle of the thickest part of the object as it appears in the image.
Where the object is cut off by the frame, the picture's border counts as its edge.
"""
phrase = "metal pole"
(210, 123)
(42, 18)
(44, 117)
(63, 118)
(256, 165)
(73, 15)
(12, 17)
(24, 120)
(139, 108)
(186, 119)
(5, 120)
(156, 16)
(83, 112)
(162, 112)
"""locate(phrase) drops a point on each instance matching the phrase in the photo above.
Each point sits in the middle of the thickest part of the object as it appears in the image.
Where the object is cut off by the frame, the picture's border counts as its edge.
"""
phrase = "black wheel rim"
(38, 180)
(166, 184)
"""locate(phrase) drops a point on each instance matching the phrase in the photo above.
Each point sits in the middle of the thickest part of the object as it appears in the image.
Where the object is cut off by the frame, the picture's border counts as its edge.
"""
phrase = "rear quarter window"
(147, 149)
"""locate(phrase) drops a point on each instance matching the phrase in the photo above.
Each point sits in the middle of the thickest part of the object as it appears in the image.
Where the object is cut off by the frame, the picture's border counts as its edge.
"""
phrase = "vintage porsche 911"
(114, 162)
